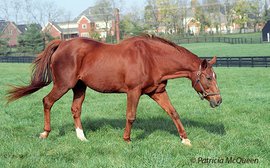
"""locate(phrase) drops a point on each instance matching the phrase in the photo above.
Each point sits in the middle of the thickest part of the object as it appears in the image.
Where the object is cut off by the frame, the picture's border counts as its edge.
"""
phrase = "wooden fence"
(242, 61)
(221, 61)
(17, 59)
(218, 40)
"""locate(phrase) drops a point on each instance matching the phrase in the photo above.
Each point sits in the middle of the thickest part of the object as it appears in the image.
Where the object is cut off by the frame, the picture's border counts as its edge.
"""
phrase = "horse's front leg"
(133, 97)
(163, 100)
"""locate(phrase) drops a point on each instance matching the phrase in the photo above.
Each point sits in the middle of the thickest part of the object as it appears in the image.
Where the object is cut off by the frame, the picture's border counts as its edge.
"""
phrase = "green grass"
(231, 50)
(239, 128)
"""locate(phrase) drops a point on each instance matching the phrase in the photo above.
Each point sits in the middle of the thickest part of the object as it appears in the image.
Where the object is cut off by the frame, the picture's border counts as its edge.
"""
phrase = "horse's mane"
(165, 41)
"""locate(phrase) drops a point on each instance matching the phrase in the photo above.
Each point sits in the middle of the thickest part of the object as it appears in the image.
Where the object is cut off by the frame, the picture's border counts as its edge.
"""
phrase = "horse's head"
(204, 81)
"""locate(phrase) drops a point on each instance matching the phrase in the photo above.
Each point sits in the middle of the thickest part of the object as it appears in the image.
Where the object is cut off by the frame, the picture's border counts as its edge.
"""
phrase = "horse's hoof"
(84, 139)
(127, 140)
(43, 135)
(80, 135)
(186, 142)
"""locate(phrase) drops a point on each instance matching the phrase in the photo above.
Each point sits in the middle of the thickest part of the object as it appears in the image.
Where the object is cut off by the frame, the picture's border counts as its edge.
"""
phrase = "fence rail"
(242, 61)
(221, 61)
(17, 59)
(229, 40)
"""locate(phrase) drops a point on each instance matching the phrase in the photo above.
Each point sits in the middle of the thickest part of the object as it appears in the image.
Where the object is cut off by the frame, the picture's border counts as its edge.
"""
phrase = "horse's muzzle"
(215, 103)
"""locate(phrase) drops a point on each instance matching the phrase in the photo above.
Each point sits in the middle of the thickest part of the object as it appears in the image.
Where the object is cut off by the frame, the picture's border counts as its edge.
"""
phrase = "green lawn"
(237, 129)
(231, 50)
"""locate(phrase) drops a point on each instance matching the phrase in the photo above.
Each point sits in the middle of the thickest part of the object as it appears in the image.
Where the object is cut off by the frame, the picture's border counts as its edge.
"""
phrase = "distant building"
(11, 31)
(83, 25)
(266, 32)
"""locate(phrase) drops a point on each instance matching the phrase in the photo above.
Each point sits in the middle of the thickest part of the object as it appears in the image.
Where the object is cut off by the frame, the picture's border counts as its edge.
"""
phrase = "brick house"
(11, 31)
(82, 26)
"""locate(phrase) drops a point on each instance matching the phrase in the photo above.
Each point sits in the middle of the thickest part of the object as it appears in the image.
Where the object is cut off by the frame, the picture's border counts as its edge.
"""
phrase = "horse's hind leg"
(48, 101)
(78, 97)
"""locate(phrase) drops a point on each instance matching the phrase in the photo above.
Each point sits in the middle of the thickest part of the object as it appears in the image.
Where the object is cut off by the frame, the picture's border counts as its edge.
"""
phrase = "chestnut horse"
(136, 66)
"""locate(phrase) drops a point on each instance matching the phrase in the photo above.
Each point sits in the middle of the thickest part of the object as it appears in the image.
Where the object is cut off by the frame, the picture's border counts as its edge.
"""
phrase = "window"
(85, 35)
(10, 32)
(84, 26)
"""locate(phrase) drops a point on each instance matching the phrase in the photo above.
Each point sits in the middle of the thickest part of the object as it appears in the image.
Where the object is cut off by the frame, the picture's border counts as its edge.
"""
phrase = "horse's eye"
(209, 78)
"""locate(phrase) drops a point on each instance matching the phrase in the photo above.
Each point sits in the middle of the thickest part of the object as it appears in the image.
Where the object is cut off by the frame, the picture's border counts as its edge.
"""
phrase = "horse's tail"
(41, 74)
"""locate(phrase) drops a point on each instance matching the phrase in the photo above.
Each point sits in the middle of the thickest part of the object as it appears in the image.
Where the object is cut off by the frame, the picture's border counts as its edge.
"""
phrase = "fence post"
(252, 62)
(240, 63)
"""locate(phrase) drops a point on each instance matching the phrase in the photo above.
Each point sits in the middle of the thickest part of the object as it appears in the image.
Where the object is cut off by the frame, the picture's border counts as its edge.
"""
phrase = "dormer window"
(10, 32)
(84, 26)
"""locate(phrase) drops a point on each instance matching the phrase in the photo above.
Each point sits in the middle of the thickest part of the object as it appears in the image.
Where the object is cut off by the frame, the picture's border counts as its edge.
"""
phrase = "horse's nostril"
(219, 102)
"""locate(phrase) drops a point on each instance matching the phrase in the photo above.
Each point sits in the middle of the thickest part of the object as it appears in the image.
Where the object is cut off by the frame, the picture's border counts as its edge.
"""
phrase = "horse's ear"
(213, 60)
(204, 64)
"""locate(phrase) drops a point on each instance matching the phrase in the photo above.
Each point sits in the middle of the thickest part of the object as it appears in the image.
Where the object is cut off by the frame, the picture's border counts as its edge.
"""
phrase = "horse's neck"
(183, 67)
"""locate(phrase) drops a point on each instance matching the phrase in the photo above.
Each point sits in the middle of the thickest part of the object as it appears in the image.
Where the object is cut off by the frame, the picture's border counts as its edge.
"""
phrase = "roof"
(70, 31)
(22, 28)
(266, 27)
(94, 16)
(3, 24)
(55, 24)
(61, 27)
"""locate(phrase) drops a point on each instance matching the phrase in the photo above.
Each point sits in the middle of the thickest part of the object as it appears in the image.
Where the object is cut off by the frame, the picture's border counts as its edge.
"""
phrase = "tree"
(103, 9)
(200, 15)
(130, 25)
(228, 11)
(3, 46)
(266, 12)
(240, 12)
(212, 8)
(32, 40)
(163, 13)
(151, 17)
(169, 14)
(254, 14)
(5, 10)
(31, 11)
(183, 16)
(17, 8)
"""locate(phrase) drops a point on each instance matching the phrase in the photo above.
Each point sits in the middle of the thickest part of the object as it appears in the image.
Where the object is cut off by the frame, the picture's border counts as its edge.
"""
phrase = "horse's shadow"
(148, 125)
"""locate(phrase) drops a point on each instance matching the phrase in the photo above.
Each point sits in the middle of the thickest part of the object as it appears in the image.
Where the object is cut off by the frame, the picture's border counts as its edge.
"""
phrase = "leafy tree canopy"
(31, 40)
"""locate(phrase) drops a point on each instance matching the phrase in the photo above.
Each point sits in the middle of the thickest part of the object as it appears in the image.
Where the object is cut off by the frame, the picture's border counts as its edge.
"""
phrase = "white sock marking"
(80, 134)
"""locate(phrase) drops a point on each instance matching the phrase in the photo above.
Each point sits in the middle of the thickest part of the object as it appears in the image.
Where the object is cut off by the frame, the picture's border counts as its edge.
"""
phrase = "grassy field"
(231, 50)
(239, 129)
